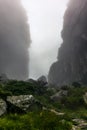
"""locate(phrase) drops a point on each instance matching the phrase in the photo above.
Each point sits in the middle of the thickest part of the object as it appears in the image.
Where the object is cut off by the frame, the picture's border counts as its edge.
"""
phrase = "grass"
(43, 120)
(72, 105)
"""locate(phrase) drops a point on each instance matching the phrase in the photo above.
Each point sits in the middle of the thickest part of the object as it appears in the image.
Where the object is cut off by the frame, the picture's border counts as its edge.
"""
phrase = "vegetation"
(43, 120)
(72, 105)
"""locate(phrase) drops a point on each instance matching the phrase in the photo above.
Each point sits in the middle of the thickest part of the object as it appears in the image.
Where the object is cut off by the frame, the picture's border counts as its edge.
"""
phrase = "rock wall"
(71, 65)
(14, 40)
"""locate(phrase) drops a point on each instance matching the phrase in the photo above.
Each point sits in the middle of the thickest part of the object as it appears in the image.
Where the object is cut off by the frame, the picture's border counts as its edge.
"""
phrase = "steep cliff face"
(72, 57)
(14, 40)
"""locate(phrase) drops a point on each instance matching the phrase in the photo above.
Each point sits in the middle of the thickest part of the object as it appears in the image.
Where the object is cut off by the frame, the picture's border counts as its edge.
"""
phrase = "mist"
(14, 40)
(46, 22)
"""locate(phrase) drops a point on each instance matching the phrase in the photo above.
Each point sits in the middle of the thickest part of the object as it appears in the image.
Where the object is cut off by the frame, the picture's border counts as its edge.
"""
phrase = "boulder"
(42, 80)
(3, 107)
(81, 124)
(85, 97)
(25, 102)
(59, 95)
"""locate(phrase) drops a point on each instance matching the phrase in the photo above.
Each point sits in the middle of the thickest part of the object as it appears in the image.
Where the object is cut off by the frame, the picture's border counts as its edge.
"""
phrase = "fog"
(46, 20)
(14, 40)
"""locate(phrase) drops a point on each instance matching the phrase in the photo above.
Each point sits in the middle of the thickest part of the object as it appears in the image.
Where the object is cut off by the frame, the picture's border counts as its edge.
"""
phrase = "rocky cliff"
(71, 65)
(14, 40)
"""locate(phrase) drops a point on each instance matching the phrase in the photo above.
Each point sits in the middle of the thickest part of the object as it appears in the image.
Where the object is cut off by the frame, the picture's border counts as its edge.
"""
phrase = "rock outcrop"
(3, 107)
(25, 102)
(59, 95)
(81, 124)
(71, 65)
(85, 97)
(42, 80)
(20, 104)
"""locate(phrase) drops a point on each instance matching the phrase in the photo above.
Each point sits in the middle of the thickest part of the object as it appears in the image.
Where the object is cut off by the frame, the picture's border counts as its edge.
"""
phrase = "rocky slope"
(71, 65)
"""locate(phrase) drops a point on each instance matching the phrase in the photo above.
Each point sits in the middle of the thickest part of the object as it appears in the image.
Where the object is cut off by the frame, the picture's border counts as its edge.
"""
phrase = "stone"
(3, 107)
(42, 80)
(59, 95)
(57, 113)
(85, 97)
(81, 124)
(25, 102)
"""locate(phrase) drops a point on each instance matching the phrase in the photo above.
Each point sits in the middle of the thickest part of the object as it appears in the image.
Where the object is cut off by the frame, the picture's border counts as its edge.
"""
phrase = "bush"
(65, 87)
(76, 84)
(44, 120)
(74, 100)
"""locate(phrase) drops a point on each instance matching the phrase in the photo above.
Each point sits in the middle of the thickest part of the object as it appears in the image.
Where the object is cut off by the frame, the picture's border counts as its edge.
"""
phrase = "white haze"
(46, 21)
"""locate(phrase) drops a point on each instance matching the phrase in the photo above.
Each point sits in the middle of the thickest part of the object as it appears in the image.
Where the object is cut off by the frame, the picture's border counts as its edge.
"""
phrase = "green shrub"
(76, 84)
(43, 120)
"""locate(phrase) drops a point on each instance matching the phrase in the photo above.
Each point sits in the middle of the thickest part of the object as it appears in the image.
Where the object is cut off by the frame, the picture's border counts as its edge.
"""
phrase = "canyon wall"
(14, 40)
(71, 65)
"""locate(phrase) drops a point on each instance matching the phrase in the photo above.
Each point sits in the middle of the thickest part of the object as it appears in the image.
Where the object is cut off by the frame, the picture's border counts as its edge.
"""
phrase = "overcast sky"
(46, 20)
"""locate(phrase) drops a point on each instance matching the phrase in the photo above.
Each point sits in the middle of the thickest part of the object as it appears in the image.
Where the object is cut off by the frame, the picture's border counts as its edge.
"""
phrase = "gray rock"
(81, 124)
(3, 107)
(71, 65)
(24, 102)
(85, 97)
(59, 95)
(42, 80)
(57, 113)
